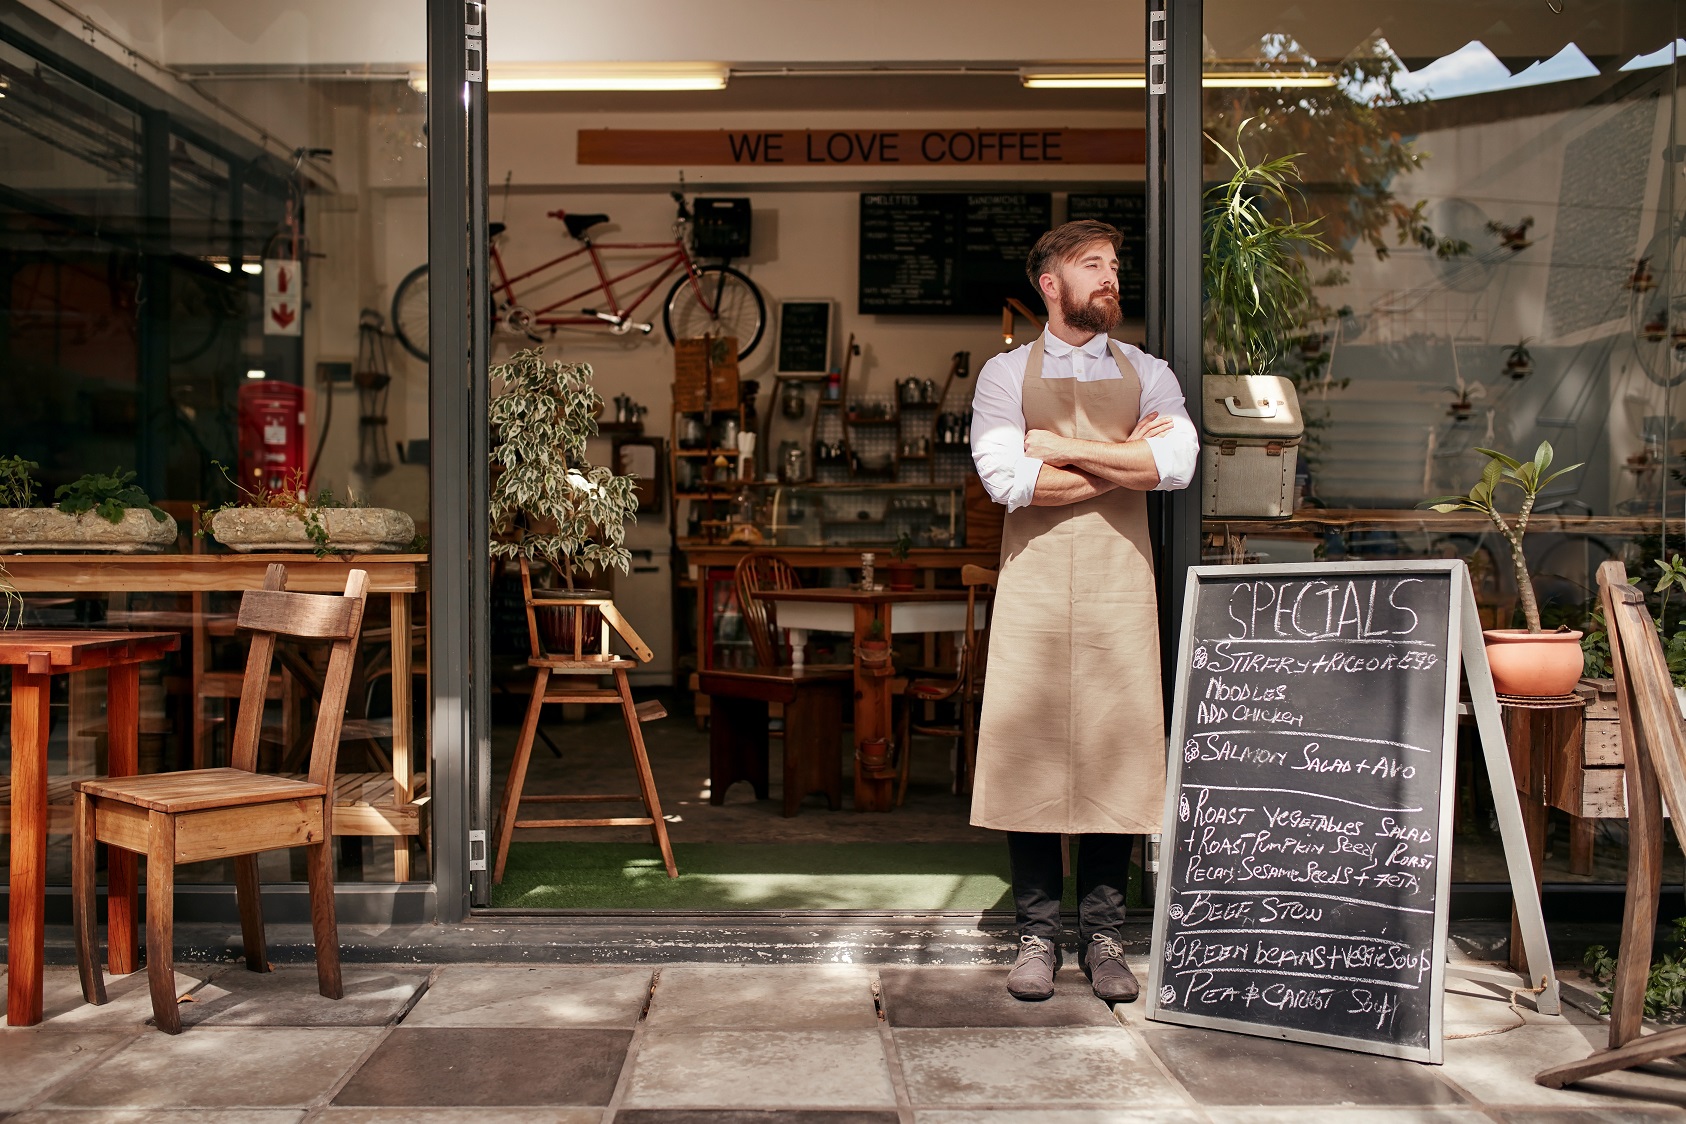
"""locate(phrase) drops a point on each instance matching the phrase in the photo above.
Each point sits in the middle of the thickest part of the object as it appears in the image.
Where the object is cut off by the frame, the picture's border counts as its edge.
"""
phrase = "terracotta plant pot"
(874, 653)
(1534, 664)
(901, 575)
(874, 758)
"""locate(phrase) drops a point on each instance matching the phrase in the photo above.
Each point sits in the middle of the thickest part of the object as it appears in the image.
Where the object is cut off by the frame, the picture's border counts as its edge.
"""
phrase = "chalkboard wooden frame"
(830, 306)
(1464, 652)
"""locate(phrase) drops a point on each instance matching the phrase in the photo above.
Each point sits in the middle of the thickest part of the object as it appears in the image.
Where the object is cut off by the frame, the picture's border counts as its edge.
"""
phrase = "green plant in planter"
(17, 485)
(1665, 987)
(1530, 478)
(901, 547)
(548, 501)
(293, 497)
(1595, 645)
(108, 495)
(1256, 288)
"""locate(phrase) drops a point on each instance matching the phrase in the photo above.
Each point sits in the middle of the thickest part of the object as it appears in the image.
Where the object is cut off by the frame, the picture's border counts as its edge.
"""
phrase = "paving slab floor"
(758, 1044)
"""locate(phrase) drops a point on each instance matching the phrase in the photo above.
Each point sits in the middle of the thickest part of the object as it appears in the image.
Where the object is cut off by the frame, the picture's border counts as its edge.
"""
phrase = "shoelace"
(1031, 948)
(1108, 945)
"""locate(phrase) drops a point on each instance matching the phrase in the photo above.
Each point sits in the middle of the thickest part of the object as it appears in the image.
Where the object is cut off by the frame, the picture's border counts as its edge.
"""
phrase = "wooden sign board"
(705, 374)
(1308, 808)
(891, 147)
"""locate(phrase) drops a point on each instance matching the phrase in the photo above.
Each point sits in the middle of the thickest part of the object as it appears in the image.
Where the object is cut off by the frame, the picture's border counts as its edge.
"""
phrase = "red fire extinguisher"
(271, 436)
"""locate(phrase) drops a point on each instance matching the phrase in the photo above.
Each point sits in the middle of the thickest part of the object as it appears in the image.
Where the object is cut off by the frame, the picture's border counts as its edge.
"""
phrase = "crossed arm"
(1074, 470)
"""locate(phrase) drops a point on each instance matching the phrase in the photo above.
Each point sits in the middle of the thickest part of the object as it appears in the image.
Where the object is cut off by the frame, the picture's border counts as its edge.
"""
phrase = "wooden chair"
(234, 812)
(764, 573)
(962, 686)
(578, 610)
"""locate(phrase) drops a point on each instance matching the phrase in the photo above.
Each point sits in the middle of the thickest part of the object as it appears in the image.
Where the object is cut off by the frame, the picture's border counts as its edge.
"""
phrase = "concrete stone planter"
(49, 529)
(351, 530)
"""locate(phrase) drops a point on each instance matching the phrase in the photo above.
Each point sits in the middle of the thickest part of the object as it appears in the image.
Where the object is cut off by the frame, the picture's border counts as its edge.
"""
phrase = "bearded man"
(1071, 432)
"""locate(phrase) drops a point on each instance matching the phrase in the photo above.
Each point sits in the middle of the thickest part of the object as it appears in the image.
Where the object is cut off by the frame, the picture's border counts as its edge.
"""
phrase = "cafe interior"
(784, 248)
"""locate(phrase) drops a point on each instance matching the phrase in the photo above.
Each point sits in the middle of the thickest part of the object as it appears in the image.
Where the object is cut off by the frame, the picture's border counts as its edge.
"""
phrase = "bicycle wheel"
(735, 308)
(409, 312)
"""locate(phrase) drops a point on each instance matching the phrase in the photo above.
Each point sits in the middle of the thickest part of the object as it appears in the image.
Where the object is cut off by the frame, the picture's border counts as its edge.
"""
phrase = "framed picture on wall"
(643, 457)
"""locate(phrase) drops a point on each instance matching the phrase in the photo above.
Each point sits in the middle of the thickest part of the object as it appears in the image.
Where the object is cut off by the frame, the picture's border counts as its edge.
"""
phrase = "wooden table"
(374, 805)
(854, 611)
(35, 656)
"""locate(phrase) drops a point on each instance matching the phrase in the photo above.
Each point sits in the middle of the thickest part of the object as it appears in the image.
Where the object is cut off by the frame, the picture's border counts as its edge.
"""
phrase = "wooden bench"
(814, 701)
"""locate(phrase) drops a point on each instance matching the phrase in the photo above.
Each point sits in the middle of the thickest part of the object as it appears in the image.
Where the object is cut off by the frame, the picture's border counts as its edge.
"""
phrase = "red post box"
(272, 436)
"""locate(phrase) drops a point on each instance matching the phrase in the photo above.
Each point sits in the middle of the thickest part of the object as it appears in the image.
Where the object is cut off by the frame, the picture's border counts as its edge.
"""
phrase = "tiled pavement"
(733, 1044)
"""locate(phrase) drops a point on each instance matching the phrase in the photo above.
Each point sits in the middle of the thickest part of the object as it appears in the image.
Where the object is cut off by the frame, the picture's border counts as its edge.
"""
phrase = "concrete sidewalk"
(689, 1043)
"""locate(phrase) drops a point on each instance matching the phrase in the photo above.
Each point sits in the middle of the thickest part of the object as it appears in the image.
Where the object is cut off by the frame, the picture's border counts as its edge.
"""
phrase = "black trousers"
(1103, 870)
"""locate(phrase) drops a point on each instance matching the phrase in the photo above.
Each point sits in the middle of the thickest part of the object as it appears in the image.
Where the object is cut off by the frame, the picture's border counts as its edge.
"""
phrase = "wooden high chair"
(577, 610)
(237, 812)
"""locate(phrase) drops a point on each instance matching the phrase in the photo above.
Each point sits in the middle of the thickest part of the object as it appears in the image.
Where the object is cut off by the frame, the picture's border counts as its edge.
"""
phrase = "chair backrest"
(586, 612)
(271, 612)
(976, 578)
(760, 573)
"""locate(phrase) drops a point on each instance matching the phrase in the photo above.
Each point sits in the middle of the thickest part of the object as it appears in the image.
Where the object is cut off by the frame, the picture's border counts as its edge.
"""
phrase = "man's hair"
(1062, 243)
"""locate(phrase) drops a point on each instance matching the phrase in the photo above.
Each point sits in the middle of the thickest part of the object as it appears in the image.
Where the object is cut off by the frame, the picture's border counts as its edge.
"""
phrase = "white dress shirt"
(998, 426)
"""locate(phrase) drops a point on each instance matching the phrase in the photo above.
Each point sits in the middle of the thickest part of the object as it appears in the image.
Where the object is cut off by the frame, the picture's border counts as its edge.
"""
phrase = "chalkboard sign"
(940, 253)
(1308, 812)
(1128, 212)
(805, 337)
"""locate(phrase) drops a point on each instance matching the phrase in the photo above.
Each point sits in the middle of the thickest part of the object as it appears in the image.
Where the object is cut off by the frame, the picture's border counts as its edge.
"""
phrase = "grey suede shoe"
(1103, 963)
(1032, 976)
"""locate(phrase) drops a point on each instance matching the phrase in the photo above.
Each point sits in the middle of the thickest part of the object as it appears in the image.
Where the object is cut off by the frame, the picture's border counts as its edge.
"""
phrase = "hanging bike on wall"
(714, 300)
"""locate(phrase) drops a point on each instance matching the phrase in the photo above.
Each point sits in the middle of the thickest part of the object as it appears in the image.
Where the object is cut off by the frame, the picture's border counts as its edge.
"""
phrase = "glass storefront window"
(188, 260)
(1501, 193)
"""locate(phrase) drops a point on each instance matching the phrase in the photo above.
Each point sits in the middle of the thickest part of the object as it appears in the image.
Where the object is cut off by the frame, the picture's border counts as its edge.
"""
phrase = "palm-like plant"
(560, 507)
(1257, 290)
(1530, 478)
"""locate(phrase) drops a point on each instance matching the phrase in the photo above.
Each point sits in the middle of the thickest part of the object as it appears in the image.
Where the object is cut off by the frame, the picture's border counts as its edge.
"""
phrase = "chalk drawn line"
(1295, 792)
(1315, 640)
(1313, 734)
(1307, 894)
(1183, 930)
(1297, 975)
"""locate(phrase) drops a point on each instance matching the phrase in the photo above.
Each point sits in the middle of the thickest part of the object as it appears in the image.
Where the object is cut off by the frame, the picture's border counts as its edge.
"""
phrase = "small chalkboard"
(1308, 814)
(805, 328)
(1128, 212)
(947, 253)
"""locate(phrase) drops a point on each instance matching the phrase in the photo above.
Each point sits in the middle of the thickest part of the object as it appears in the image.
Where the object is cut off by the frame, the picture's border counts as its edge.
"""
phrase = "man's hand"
(1047, 447)
(1151, 426)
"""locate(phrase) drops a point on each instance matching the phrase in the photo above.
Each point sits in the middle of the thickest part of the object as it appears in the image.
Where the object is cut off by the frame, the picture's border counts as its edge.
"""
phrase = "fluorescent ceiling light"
(597, 77)
(254, 373)
(253, 267)
(1096, 79)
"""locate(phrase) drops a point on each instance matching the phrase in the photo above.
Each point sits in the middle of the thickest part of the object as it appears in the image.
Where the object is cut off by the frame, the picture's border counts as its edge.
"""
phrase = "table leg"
(403, 727)
(872, 713)
(26, 937)
(122, 720)
(798, 648)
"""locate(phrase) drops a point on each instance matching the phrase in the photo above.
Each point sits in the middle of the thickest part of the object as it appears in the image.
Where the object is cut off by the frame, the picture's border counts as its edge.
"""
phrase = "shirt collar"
(1053, 345)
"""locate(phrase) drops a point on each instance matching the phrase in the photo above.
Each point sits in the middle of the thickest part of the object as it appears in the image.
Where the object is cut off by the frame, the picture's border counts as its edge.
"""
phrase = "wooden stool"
(813, 699)
(577, 609)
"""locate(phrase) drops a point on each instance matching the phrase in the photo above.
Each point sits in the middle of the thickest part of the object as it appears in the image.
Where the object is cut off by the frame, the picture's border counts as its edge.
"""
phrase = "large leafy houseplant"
(1256, 288)
(549, 502)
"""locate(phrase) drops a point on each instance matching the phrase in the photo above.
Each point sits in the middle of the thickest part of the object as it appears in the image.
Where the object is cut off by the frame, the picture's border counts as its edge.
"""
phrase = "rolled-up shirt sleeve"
(1175, 454)
(1008, 475)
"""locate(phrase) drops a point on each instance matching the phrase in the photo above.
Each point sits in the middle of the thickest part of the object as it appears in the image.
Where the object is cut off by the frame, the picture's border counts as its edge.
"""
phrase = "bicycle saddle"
(493, 229)
(578, 224)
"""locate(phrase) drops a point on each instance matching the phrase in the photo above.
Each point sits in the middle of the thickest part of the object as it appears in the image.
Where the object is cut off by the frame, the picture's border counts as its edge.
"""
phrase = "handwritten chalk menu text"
(942, 253)
(1304, 843)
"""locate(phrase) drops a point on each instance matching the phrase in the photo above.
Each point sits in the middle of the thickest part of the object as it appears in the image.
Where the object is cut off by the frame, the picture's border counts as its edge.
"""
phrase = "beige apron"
(1073, 733)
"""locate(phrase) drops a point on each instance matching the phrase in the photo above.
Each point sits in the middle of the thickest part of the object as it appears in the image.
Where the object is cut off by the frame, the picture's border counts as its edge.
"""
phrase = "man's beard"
(1100, 313)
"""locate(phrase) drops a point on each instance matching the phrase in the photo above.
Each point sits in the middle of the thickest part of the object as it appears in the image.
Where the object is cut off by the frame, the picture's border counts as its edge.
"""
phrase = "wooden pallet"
(364, 804)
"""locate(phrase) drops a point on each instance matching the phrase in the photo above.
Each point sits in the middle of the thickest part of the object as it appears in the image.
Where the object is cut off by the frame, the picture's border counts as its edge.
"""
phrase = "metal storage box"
(1250, 435)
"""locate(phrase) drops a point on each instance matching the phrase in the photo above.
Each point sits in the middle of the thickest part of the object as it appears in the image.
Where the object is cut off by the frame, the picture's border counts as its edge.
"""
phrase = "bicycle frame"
(676, 258)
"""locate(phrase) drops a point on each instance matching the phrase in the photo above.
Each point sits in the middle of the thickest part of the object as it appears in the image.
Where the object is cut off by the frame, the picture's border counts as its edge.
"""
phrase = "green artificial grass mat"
(733, 876)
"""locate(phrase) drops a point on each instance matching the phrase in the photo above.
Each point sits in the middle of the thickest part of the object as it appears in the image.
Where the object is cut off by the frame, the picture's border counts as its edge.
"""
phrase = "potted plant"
(1519, 362)
(1526, 661)
(104, 512)
(874, 651)
(549, 503)
(901, 573)
(291, 518)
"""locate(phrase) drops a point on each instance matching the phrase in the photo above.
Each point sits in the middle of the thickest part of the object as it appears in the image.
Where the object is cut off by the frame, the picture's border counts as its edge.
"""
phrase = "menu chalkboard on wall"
(947, 253)
(1308, 808)
(804, 337)
(1128, 212)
